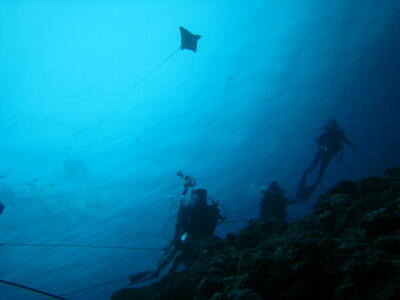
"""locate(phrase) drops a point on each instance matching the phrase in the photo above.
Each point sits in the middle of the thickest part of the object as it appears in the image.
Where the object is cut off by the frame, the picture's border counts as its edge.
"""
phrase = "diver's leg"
(167, 251)
(301, 192)
(317, 158)
(166, 260)
(326, 159)
(176, 262)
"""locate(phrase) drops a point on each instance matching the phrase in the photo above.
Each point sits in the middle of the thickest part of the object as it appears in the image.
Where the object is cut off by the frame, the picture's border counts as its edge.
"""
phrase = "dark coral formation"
(348, 248)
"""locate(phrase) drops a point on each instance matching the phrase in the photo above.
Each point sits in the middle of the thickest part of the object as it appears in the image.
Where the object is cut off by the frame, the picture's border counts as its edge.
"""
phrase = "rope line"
(78, 246)
(31, 289)
(152, 71)
(95, 286)
(243, 209)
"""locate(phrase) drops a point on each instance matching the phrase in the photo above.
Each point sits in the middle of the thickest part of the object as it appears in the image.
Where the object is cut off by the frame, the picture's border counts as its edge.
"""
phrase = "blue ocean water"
(86, 161)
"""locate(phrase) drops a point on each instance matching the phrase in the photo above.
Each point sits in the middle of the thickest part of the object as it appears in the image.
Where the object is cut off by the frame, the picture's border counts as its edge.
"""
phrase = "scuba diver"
(1, 208)
(273, 203)
(330, 143)
(196, 221)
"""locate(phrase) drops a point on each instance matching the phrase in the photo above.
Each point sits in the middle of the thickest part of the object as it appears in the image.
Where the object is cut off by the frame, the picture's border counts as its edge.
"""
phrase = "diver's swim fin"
(138, 277)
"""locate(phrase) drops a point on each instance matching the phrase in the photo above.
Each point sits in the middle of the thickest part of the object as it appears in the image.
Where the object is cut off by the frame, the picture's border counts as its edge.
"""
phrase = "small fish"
(35, 180)
(2, 176)
(52, 184)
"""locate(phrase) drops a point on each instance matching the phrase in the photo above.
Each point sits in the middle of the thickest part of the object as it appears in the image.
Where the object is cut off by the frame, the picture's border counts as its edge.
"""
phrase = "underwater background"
(86, 161)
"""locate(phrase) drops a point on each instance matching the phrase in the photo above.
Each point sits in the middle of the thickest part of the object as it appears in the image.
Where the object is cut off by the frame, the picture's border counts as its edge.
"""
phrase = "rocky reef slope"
(348, 248)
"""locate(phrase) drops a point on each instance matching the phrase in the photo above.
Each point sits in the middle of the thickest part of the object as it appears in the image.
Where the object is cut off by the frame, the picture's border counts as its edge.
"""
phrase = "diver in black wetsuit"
(330, 142)
(195, 222)
(274, 203)
(1, 208)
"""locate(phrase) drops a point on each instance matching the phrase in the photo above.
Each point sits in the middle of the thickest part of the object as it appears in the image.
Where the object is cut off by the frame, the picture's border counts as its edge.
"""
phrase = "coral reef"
(347, 248)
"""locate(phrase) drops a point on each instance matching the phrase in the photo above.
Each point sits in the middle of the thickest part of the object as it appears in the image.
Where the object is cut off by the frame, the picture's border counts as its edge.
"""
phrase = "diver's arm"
(347, 141)
(179, 221)
(220, 217)
(321, 140)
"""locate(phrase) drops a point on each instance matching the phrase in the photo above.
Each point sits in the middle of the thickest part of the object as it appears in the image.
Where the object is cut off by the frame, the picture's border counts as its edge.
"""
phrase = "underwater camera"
(189, 182)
